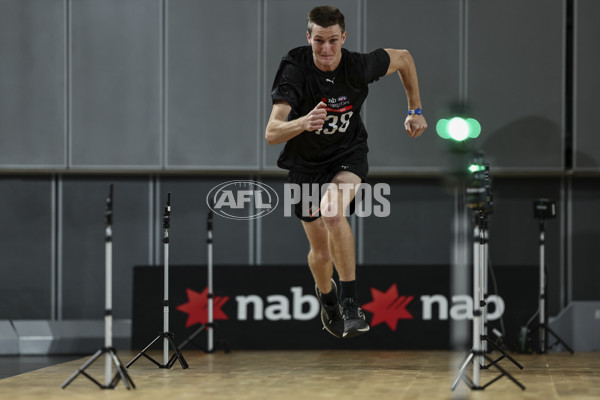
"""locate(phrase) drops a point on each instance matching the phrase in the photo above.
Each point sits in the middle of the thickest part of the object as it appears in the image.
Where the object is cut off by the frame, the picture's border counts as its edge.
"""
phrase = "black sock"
(330, 298)
(348, 290)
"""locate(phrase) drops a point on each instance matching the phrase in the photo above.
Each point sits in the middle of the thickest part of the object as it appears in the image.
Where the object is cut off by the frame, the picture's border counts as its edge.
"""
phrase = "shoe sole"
(339, 335)
(356, 332)
(326, 327)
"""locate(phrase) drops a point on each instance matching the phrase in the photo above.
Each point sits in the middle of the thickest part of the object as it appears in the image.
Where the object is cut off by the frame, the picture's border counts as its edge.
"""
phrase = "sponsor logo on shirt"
(339, 105)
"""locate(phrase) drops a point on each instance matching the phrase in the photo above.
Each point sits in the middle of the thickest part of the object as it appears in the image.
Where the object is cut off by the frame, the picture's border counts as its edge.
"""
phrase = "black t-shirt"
(301, 84)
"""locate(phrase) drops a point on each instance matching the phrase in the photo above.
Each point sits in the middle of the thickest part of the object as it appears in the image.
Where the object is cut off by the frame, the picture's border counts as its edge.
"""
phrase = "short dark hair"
(325, 16)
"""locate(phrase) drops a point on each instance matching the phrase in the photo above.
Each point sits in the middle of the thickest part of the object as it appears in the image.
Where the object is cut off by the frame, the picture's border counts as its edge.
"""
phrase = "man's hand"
(415, 125)
(314, 120)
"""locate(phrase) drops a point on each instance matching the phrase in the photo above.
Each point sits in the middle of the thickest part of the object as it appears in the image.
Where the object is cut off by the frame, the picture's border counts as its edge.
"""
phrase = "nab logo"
(197, 307)
(388, 307)
(242, 200)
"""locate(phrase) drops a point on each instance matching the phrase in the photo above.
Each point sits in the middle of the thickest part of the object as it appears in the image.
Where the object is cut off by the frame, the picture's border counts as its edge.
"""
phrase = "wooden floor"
(307, 375)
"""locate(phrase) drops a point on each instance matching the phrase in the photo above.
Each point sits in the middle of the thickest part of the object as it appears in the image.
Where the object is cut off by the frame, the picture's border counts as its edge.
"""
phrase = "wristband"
(418, 111)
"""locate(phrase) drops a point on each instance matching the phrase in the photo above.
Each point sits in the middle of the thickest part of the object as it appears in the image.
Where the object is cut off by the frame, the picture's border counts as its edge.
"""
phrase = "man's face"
(326, 46)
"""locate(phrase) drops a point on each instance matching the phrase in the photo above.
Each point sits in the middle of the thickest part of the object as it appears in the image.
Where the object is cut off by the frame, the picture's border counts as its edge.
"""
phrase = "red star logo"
(197, 307)
(388, 307)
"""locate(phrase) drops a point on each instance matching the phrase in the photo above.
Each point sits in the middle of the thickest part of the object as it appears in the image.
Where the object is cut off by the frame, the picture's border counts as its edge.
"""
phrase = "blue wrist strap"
(418, 111)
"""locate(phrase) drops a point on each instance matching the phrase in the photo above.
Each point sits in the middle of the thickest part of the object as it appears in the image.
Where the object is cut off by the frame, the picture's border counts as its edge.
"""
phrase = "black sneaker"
(354, 319)
(331, 316)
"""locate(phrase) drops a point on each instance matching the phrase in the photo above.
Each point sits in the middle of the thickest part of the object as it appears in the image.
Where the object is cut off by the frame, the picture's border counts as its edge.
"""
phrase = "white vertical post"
(480, 299)
(484, 288)
(210, 287)
(166, 226)
(476, 316)
(166, 302)
(108, 308)
(477, 249)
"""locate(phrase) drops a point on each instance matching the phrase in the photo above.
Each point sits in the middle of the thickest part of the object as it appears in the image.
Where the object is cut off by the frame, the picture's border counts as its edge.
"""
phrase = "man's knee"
(333, 210)
(319, 257)
(332, 221)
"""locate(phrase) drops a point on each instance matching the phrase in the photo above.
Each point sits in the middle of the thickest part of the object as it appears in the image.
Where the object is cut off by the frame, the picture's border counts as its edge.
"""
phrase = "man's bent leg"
(341, 246)
(319, 257)
(340, 236)
(321, 266)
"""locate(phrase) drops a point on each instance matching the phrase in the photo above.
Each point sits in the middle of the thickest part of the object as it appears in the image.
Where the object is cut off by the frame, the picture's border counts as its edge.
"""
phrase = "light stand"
(480, 261)
(544, 209)
(210, 325)
(165, 335)
(479, 198)
(110, 353)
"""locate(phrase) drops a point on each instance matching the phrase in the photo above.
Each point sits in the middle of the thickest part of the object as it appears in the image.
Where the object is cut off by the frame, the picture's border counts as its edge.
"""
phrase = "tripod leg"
(462, 370)
(559, 340)
(143, 352)
(176, 355)
(191, 337)
(503, 373)
(83, 368)
(121, 371)
(504, 354)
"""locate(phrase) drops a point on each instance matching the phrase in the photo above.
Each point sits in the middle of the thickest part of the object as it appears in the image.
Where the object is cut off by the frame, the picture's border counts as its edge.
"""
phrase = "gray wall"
(162, 96)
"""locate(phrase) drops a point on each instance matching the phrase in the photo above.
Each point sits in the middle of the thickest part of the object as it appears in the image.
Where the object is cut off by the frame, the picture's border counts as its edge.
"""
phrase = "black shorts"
(355, 163)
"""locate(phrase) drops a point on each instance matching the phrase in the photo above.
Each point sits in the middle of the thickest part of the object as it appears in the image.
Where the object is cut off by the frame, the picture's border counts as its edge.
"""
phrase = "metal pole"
(108, 290)
(481, 299)
(166, 305)
(542, 330)
(476, 318)
(477, 267)
(166, 225)
(484, 277)
(209, 266)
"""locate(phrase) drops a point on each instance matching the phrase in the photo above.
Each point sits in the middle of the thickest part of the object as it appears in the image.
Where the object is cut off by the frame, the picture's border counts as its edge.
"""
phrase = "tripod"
(165, 335)
(480, 262)
(210, 325)
(542, 327)
(108, 351)
(477, 354)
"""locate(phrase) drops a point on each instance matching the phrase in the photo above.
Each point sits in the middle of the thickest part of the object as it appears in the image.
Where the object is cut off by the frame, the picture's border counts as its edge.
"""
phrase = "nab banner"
(275, 307)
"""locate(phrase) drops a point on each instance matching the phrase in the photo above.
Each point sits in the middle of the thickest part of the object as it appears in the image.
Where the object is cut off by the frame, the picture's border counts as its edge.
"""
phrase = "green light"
(476, 168)
(474, 128)
(442, 128)
(458, 129)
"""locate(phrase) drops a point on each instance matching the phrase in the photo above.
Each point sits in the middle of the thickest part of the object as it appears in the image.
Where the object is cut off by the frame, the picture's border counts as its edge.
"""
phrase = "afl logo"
(342, 98)
(242, 200)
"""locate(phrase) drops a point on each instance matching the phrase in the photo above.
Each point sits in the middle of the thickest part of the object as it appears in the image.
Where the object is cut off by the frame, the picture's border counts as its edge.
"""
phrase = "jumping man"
(317, 96)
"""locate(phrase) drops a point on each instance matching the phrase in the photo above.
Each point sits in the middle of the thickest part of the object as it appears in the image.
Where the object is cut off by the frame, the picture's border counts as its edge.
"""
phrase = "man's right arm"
(280, 130)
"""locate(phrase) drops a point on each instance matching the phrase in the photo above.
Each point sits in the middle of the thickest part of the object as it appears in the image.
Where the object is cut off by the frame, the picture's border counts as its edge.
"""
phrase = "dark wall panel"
(515, 81)
(115, 78)
(282, 239)
(25, 238)
(32, 84)
(212, 64)
(585, 239)
(514, 232)
(419, 228)
(285, 28)
(188, 234)
(587, 85)
(83, 243)
(430, 31)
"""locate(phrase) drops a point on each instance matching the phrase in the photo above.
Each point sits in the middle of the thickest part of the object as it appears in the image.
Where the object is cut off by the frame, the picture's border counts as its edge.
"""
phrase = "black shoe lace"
(350, 309)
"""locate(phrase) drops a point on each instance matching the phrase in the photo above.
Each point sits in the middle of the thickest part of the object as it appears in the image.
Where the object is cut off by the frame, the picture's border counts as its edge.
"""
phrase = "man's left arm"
(402, 62)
